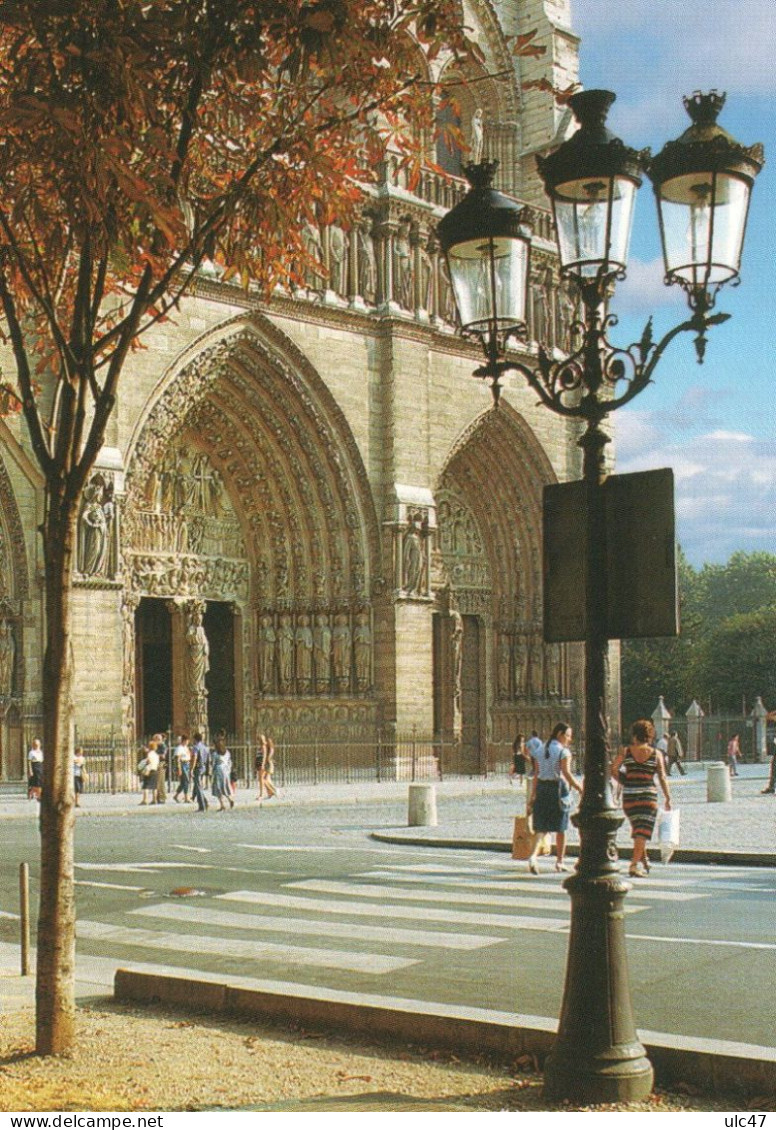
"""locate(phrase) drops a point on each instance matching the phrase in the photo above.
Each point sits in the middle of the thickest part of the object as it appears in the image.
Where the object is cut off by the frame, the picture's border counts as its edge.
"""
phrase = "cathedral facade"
(307, 517)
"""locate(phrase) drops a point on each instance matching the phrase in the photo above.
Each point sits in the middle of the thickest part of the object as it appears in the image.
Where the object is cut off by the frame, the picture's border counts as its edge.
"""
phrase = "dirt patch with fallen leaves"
(131, 1059)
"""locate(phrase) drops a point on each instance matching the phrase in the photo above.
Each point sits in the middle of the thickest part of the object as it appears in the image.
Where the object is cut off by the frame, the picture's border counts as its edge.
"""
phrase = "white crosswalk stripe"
(518, 885)
(390, 935)
(374, 890)
(393, 911)
(375, 963)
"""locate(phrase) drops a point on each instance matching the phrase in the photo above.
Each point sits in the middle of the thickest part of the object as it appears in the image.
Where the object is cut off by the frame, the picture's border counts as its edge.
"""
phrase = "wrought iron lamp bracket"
(598, 377)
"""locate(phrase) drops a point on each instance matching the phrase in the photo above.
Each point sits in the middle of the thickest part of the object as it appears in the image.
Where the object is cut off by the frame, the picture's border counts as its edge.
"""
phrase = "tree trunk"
(55, 981)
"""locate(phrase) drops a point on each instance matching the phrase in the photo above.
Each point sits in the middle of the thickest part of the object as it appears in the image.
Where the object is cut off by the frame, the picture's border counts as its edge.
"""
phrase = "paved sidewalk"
(480, 811)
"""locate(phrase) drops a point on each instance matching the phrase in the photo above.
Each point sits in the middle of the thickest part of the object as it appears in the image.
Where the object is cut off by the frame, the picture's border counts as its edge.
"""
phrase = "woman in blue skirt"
(550, 801)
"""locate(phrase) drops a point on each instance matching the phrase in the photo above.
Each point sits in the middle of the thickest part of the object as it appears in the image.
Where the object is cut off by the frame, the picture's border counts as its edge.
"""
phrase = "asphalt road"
(305, 897)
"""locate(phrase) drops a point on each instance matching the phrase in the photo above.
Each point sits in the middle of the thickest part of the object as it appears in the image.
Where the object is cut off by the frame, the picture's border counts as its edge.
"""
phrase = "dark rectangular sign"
(640, 555)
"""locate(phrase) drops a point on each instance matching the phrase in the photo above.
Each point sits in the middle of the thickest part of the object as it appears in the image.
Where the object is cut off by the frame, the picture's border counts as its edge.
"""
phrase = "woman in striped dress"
(641, 763)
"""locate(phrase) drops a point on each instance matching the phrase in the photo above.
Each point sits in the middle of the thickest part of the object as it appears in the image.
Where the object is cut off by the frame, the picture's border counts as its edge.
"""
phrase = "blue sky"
(714, 424)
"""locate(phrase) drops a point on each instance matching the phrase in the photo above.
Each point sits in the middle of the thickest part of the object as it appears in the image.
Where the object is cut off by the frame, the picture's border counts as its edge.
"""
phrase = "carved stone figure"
(412, 554)
(404, 274)
(197, 666)
(552, 672)
(362, 649)
(94, 532)
(341, 647)
(128, 607)
(477, 137)
(338, 246)
(367, 262)
(267, 640)
(322, 653)
(285, 646)
(456, 655)
(311, 238)
(304, 655)
(504, 665)
(7, 657)
(521, 652)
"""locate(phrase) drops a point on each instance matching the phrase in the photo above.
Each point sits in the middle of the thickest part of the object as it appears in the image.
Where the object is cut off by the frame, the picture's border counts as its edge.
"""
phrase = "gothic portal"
(307, 518)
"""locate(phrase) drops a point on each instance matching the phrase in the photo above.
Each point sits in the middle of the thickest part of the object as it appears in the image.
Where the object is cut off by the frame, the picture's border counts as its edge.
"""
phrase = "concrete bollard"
(718, 782)
(422, 806)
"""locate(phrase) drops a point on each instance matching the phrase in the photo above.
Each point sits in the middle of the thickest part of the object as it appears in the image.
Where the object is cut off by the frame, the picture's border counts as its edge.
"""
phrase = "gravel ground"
(129, 1059)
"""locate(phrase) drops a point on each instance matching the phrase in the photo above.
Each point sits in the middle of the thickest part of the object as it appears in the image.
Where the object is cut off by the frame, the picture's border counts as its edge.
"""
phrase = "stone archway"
(488, 576)
(14, 591)
(245, 487)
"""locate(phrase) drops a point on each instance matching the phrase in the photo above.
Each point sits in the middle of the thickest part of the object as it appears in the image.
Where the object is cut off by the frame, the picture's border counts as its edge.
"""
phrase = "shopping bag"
(668, 833)
(522, 838)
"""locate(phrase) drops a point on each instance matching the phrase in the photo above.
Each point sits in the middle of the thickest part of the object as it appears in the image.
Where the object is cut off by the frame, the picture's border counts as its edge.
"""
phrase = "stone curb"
(713, 1066)
(681, 855)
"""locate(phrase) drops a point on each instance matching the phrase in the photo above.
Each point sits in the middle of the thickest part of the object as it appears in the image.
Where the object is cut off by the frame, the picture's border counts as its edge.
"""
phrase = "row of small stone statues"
(528, 667)
(315, 653)
(395, 261)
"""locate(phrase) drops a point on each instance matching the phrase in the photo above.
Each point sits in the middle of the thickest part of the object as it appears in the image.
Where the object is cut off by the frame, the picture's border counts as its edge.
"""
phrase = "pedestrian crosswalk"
(397, 917)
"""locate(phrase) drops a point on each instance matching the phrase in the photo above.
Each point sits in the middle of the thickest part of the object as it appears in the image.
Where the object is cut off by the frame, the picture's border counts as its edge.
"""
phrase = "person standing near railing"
(79, 774)
(200, 757)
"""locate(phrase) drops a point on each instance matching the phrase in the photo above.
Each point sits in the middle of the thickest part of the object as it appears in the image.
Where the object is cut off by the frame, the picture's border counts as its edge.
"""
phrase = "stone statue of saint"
(412, 555)
(304, 654)
(341, 645)
(267, 639)
(338, 246)
(477, 138)
(552, 663)
(521, 663)
(362, 649)
(285, 642)
(367, 263)
(94, 533)
(198, 655)
(504, 665)
(404, 272)
(128, 647)
(311, 238)
(7, 657)
(322, 652)
(456, 652)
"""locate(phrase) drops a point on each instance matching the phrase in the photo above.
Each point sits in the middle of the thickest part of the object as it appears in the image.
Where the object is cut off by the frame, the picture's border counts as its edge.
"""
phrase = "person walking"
(200, 756)
(518, 759)
(35, 770)
(79, 774)
(269, 769)
(258, 764)
(642, 763)
(771, 786)
(534, 746)
(733, 754)
(675, 753)
(148, 770)
(160, 745)
(182, 762)
(221, 766)
(550, 801)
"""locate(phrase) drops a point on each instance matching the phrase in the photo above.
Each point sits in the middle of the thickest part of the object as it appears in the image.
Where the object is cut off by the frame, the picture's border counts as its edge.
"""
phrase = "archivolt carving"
(489, 518)
(281, 450)
(14, 577)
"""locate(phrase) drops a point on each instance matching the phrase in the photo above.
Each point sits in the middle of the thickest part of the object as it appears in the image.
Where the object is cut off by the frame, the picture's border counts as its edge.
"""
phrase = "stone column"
(661, 718)
(760, 718)
(694, 717)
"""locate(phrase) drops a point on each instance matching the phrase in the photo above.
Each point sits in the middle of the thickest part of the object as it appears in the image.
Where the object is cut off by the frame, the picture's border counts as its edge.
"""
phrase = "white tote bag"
(668, 833)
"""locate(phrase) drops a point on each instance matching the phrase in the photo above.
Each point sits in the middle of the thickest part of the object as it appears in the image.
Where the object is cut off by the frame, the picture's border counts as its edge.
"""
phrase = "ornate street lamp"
(702, 183)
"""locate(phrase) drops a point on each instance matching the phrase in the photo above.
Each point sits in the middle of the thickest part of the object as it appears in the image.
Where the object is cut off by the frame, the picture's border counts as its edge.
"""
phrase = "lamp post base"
(597, 1057)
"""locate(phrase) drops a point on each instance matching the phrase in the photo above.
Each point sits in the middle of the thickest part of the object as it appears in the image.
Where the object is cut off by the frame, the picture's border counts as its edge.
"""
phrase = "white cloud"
(653, 52)
(725, 483)
(644, 289)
